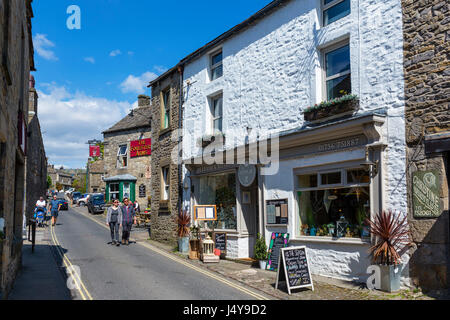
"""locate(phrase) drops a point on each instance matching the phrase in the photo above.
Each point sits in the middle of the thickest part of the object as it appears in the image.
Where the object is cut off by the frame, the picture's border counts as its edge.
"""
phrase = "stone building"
(166, 180)
(36, 161)
(60, 176)
(427, 95)
(278, 77)
(127, 156)
(96, 175)
(16, 54)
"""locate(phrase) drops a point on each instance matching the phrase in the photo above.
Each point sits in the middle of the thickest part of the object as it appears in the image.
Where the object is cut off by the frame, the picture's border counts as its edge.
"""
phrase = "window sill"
(357, 241)
(164, 131)
(276, 225)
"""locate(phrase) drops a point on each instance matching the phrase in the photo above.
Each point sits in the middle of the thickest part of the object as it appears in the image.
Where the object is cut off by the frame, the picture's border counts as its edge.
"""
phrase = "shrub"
(260, 248)
(183, 221)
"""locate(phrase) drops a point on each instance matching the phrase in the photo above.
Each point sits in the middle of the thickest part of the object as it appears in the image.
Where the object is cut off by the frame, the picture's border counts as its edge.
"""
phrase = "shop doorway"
(250, 212)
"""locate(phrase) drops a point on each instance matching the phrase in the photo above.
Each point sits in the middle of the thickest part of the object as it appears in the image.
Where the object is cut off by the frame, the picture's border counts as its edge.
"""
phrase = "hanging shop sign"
(94, 151)
(294, 269)
(247, 175)
(426, 199)
(141, 148)
(277, 211)
(205, 213)
(277, 242)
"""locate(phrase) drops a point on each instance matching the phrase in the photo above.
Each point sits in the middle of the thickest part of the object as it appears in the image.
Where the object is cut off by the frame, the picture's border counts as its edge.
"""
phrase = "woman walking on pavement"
(128, 213)
(113, 220)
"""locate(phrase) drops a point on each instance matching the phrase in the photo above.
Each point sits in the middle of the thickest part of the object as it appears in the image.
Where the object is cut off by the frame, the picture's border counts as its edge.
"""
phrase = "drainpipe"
(180, 138)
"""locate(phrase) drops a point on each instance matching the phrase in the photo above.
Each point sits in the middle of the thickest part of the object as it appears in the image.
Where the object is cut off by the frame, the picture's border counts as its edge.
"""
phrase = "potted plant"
(347, 104)
(261, 251)
(304, 230)
(330, 227)
(313, 231)
(391, 235)
(183, 231)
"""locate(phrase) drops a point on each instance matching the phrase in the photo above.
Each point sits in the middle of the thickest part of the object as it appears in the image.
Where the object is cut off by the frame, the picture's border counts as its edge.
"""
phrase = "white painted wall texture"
(272, 71)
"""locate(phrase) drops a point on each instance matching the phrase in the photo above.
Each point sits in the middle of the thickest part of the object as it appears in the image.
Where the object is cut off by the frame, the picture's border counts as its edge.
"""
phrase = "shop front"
(236, 201)
(120, 187)
(331, 179)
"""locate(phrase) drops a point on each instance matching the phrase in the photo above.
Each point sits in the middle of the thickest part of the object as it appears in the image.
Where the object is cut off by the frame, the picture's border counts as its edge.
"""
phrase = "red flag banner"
(141, 148)
(94, 151)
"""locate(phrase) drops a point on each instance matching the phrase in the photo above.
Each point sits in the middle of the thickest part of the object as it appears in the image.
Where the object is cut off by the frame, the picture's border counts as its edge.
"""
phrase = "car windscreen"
(98, 200)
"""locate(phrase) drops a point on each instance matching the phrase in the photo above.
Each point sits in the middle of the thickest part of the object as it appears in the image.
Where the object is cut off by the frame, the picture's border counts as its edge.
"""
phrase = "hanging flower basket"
(333, 109)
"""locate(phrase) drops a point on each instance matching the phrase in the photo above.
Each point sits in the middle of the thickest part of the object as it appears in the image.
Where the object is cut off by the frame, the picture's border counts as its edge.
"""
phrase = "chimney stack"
(33, 98)
(143, 101)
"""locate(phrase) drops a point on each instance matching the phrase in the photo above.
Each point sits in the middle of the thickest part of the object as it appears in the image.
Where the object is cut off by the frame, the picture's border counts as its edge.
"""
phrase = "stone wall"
(96, 172)
(163, 213)
(427, 80)
(16, 60)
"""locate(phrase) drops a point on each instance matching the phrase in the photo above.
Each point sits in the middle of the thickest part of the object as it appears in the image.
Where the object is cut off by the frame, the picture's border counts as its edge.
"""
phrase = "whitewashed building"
(260, 78)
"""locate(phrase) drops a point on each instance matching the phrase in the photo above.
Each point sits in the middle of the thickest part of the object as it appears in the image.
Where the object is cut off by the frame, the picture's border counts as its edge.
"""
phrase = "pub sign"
(141, 148)
(426, 199)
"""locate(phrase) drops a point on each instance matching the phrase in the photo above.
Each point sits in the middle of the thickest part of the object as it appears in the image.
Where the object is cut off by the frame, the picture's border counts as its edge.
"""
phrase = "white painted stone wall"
(272, 71)
(239, 247)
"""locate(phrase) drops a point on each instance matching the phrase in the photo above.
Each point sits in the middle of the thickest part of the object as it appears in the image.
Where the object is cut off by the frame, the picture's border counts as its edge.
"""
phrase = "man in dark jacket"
(128, 213)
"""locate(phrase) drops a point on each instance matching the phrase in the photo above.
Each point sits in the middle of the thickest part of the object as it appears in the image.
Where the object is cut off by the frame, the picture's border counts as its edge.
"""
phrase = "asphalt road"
(132, 272)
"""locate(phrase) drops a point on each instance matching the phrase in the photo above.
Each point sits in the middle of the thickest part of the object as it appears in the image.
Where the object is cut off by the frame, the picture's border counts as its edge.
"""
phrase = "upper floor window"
(165, 183)
(216, 66)
(337, 72)
(165, 110)
(217, 114)
(122, 156)
(334, 10)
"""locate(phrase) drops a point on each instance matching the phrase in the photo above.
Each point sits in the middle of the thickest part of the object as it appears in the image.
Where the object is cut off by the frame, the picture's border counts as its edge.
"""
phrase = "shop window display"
(220, 190)
(340, 211)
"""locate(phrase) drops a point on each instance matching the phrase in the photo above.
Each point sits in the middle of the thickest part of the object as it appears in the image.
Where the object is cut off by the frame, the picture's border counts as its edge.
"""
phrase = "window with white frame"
(122, 156)
(333, 10)
(334, 203)
(216, 65)
(165, 183)
(337, 71)
(165, 110)
(114, 191)
(216, 106)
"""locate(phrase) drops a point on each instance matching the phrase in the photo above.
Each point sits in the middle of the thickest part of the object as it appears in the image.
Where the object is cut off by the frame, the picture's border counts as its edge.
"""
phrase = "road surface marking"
(176, 259)
(69, 265)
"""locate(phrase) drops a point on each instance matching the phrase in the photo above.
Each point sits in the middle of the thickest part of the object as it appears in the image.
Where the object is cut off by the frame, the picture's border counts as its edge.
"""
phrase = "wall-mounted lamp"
(372, 166)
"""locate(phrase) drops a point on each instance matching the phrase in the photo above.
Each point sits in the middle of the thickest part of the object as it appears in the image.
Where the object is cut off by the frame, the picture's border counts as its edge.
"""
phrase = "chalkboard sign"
(277, 241)
(220, 242)
(294, 268)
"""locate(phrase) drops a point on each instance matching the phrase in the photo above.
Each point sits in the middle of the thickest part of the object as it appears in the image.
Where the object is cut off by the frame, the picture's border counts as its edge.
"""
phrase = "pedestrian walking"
(54, 207)
(113, 220)
(128, 213)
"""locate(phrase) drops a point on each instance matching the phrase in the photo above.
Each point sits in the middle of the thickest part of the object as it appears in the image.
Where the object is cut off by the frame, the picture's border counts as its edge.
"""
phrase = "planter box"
(390, 278)
(183, 245)
(194, 249)
(335, 111)
(206, 141)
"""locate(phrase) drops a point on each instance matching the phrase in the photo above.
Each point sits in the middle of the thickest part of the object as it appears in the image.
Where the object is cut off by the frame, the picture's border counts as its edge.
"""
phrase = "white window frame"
(165, 183)
(328, 6)
(121, 155)
(212, 100)
(114, 192)
(216, 65)
(326, 51)
(165, 110)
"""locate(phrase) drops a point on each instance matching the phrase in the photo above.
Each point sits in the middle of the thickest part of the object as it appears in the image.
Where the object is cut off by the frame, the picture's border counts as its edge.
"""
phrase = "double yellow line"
(189, 265)
(85, 295)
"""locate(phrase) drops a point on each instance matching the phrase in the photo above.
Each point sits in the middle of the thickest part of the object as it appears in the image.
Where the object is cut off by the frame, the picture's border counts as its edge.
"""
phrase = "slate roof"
(125, 177)
(139, 118)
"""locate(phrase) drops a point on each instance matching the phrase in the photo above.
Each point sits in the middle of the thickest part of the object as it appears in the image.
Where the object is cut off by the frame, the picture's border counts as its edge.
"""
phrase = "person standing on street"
(113, 220)
(54, 209)
(128, 213)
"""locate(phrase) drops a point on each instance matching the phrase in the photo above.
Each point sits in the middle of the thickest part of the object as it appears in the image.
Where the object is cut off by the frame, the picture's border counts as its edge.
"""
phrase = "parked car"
(64, 204)
(83, 200)
(96, 203)
(70, 191)
(75, 196)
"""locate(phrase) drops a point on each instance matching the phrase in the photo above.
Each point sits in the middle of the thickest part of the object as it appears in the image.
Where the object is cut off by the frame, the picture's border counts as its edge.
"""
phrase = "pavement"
(43, 278)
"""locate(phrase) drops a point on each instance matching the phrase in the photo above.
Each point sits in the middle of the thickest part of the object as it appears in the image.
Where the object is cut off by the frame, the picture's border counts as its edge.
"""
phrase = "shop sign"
(94, 151)
(142, 191)
(426, 194)
(339, 145)
(247, 174)
(141, 148)
(277, 242)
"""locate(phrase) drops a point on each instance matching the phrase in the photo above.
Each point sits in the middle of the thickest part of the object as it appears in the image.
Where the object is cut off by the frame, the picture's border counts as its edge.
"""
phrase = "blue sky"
(89, 79)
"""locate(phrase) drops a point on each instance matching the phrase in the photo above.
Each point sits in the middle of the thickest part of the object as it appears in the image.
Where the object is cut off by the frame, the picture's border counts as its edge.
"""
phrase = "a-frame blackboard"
(293, 268)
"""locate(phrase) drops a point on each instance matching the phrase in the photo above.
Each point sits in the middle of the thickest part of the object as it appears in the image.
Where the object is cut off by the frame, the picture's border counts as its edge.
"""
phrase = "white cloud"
(160, 69)
(90, 59)
(70, 119)
(137, 84)
(115, 53)
(42, 44)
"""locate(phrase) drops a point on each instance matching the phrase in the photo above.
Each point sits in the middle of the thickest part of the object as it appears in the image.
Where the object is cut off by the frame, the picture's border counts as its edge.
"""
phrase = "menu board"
(205, 213)
(277, 211)
(220, 242)
(277, 241)
(294, 269)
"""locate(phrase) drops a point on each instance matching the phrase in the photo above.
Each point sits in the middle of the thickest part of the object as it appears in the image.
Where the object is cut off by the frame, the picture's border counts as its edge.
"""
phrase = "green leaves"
(324, 104)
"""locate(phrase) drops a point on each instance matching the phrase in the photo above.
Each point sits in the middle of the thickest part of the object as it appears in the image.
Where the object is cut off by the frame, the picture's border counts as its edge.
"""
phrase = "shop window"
(337, 72)
(338, 211)
(122, 157)
(220, 190)
(165, 110)
(165, 181)
(216, 66)
(114, 191)
(217, 114)
(334, 10)
(126, 190)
